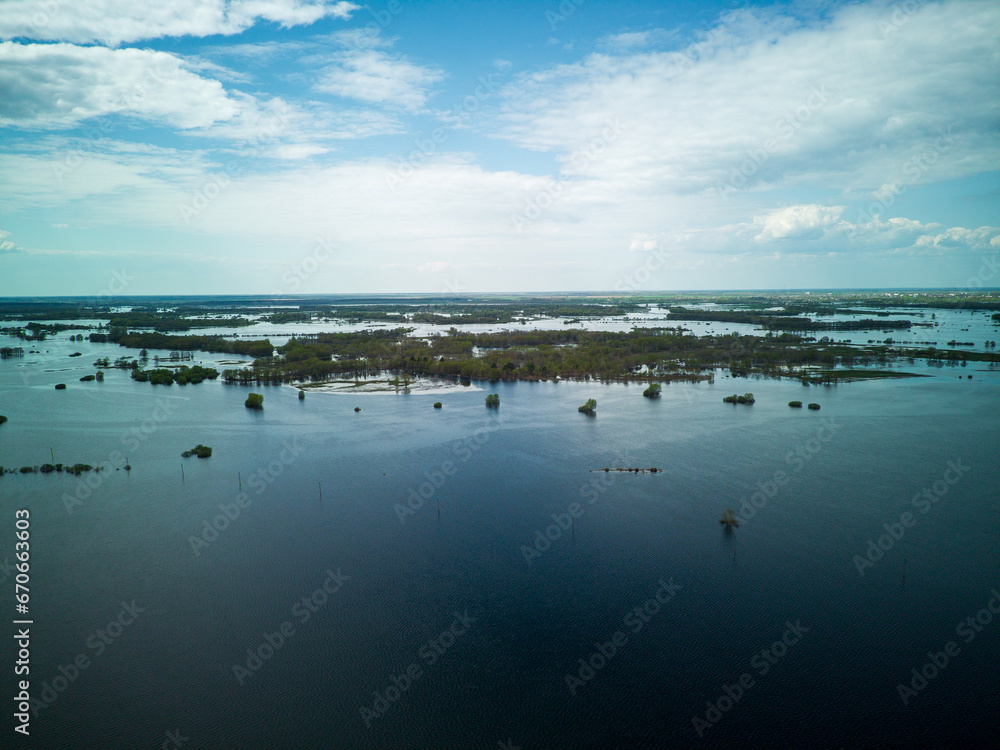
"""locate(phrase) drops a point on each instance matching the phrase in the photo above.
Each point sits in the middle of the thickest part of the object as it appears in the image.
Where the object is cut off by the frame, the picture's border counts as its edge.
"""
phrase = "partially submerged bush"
(746, 398)
(88, 378)
(493, 400)
(795, 404)
(61, 387)
(653, 391)
(814, 407)
(254, 401)
(201, 451)
(437, 404)
(588, 408)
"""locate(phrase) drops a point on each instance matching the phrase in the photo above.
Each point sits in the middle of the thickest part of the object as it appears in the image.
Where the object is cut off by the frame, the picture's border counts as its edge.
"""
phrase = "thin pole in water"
(239, 478)
(182, 472)
(52, 453)
(321, 491)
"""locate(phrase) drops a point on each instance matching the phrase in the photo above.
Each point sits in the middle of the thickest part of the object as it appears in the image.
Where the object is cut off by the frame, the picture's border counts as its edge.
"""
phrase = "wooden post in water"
(182, 473)
(52, 453)
(239, 478)
(321, 492)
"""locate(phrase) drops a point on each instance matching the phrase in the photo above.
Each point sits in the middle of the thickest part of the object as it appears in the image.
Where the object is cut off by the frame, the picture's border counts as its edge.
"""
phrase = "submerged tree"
(588, 408)
(254, 401)
(493, 400)
(653, 391)
(729, 519)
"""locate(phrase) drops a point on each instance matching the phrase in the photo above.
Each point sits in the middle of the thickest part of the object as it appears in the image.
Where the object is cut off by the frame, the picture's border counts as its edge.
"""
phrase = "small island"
(653, 391)
(60, 386)
(493, 400)
(437, 404)
(201, 451)
(254, 401)
(795, 404)
(588, 408)
(814, 407)
(746, 398)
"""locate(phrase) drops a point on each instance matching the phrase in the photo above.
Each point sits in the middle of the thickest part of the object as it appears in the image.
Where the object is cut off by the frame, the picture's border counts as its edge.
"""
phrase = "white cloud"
(7, 247)
(364, 71)
(116, 21)
(59, 85)
(766, 100)
(798, 222)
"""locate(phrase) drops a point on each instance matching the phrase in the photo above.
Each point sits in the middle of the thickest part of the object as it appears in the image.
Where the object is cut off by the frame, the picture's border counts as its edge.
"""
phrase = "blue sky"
(308, 146)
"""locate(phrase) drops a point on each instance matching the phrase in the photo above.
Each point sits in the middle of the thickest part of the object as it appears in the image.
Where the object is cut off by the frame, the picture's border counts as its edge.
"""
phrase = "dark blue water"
(847, 470)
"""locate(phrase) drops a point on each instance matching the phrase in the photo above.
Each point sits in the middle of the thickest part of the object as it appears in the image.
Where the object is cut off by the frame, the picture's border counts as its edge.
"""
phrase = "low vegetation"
(795, 404)
(814, 407)
(746, 398)
(437, 404)
(588, 408)
(60, 386)
(493, 400)
(201, 451)
(255, 401)
(653, 391)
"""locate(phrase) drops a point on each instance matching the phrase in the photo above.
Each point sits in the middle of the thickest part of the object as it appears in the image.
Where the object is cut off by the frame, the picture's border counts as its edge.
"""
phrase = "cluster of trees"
(784, 320)
(217, 344)
(256, 401)
(588, 408)
(172, 321)
(201, 451)
(7, 352)
(76, 469)
(653, 391)
(182, 376)
(746, 398)
(493, 400)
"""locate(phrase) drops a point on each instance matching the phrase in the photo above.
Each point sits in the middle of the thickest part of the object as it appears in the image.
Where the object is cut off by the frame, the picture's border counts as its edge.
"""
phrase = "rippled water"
(844, 472)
